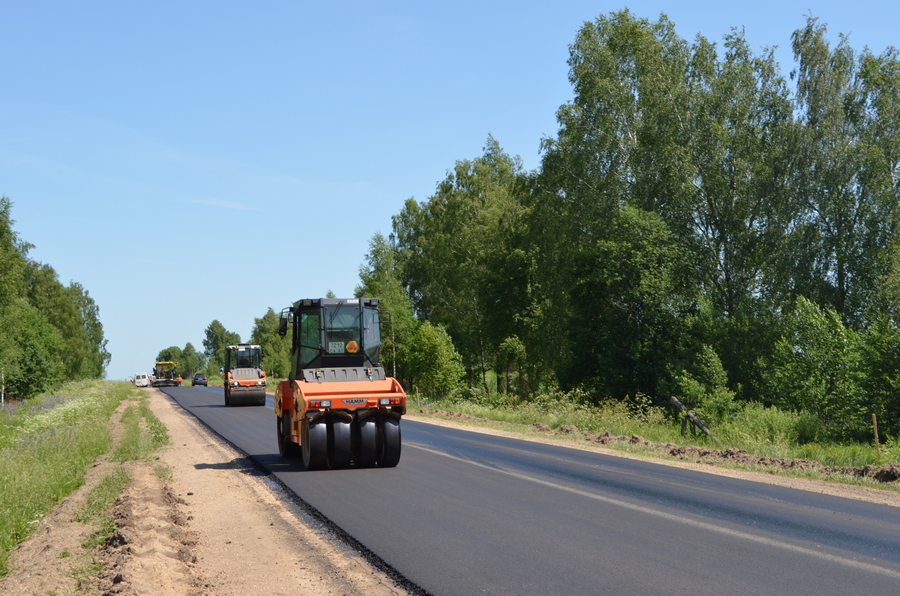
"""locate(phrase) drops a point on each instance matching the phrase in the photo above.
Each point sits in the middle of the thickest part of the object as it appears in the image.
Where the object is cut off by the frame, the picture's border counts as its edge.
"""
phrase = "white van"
(142, 380)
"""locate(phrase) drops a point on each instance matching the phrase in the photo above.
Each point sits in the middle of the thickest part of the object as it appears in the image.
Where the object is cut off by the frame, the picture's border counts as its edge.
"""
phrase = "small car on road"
(142, 380)
(200, 379)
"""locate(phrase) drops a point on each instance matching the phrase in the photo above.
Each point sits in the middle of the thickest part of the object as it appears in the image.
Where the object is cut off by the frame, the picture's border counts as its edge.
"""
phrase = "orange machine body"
(304, 399)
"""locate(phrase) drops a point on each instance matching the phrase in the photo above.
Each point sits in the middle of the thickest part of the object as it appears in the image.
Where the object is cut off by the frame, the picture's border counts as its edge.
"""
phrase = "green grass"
(164, 472)
(83, 572)
(559, 409)
(45, 454)
(102, 495)
(763, 432)
(95, 510)
(144, 433)
(104, 526)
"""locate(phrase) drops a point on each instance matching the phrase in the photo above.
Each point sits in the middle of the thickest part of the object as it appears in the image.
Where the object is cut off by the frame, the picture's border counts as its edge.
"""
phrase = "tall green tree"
(75, 314)
(31, 348)
(621, 142)
(170, 354)
(216, 338)
(30, 293)
(701, 140)
(276, 350)
(13, 253)
(48, 295)
(740, 207)
(880, 84)
(447, 245)
(436, 367)
(192, 361)
(741, 147)
(630, 317)
(816, 368)
(380, 278)
(848, 170)
(94, 364)
(420, 355)
(12, 266)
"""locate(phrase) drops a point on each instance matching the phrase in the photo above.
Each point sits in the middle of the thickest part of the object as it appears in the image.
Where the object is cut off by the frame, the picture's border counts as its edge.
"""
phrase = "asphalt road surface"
(469, 513)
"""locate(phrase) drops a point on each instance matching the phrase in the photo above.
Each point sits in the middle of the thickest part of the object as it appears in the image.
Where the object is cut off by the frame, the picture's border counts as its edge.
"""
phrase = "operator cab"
(245, 360)
(334, 339)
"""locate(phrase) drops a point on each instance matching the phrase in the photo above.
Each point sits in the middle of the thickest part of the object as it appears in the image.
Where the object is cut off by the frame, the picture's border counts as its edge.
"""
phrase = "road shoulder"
(577, 441)
(250, 537)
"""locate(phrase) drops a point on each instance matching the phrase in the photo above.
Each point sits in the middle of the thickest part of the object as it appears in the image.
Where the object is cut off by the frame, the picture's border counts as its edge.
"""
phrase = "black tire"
(261, 399)
(389, 455)
(314, 443)
(365, 448)
(338, 454)
(286, 447)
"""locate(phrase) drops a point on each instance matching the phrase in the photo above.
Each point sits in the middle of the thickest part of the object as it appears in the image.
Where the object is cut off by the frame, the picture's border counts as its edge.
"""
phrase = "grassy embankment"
(763, 432)
(48, 444)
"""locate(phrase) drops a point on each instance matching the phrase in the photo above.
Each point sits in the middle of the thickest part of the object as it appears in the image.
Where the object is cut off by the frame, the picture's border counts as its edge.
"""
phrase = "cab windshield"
(342, 329)
(339, 330)
(244, 358)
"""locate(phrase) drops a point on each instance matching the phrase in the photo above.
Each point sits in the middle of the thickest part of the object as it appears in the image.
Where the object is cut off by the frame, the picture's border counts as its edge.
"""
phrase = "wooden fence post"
(875, 427)
(694, 420)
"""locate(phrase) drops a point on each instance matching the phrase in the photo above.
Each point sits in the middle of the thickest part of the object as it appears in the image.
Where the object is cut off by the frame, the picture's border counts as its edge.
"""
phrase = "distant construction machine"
(338, 406)
(245, 379)
(165, 375)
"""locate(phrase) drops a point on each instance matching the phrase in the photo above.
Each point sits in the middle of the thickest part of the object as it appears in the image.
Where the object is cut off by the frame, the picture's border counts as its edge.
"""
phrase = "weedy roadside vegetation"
(144, 433)
(761, 431)
(47, 446)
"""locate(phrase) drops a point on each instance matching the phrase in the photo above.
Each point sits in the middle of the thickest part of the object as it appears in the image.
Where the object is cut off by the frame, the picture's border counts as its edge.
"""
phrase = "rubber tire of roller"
(314, 443)
(339, 448)
(365, 452)
(287, 448)
(390, 442)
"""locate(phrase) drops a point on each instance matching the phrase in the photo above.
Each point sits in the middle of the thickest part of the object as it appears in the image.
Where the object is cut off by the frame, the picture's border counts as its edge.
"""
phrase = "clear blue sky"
(198, 160)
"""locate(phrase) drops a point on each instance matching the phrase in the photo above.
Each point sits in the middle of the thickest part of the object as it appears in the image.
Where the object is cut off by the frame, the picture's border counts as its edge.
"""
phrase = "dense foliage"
(700, 226)
(187, 360)
(49, 333)
(217, 337)
(276, 350)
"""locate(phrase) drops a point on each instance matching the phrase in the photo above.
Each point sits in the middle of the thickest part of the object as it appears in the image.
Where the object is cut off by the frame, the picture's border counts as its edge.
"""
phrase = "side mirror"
(282, 326)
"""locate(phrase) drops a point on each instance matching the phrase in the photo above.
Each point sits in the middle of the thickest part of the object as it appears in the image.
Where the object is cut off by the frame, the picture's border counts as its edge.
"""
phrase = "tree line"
(49, 332)
(700, 226)
(275, 349)
(425, 358)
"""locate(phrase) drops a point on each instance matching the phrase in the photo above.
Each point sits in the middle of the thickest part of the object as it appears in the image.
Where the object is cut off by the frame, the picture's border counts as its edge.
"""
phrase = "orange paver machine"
(338, 407)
